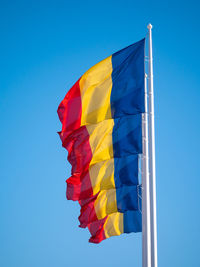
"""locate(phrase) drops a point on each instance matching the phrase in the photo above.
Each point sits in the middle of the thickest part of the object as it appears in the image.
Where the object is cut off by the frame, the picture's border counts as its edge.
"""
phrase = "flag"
(101, 118)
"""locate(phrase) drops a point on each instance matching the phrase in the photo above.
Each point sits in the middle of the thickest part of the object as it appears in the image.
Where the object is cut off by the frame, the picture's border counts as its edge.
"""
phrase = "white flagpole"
(152, 170)
(146, 243)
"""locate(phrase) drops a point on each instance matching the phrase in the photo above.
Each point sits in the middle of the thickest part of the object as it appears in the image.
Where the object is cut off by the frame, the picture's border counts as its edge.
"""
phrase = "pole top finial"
(149, 26)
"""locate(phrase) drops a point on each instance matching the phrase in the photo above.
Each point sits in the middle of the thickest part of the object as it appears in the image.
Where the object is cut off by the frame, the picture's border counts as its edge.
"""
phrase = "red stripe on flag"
(97, 231)
(88, 213)
(70, 109)
(76, 140)
(79, 155)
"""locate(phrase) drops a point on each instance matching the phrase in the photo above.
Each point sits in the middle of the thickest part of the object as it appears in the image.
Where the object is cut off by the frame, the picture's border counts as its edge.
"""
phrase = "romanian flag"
(101, 118)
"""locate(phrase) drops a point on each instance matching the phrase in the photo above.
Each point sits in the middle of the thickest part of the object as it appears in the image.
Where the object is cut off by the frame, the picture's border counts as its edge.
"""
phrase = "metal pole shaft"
(146, 249)
(152, 158)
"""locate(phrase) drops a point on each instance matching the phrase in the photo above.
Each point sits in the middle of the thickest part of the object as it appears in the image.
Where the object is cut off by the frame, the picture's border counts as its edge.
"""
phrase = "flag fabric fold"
(101, 118)
(115, 224)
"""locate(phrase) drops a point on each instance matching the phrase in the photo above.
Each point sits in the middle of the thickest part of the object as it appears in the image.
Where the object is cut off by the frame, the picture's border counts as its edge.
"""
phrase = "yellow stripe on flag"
(101, 140)
(106, 203)
(102, 175)
(95, 86)
(114, 225)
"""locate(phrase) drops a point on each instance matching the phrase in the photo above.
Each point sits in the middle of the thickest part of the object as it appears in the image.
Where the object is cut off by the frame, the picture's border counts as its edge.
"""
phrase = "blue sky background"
(45, 47)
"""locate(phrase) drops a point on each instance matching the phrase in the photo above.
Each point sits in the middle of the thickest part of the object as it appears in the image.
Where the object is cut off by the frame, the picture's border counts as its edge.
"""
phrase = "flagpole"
(152, 170)
(146, 244)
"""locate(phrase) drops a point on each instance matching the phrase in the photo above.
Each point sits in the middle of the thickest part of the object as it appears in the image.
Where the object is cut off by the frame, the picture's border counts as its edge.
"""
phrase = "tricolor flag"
(101, 118)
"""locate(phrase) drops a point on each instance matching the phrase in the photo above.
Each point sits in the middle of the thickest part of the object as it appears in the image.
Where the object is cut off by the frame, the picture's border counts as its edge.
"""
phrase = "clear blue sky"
(45, 47)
